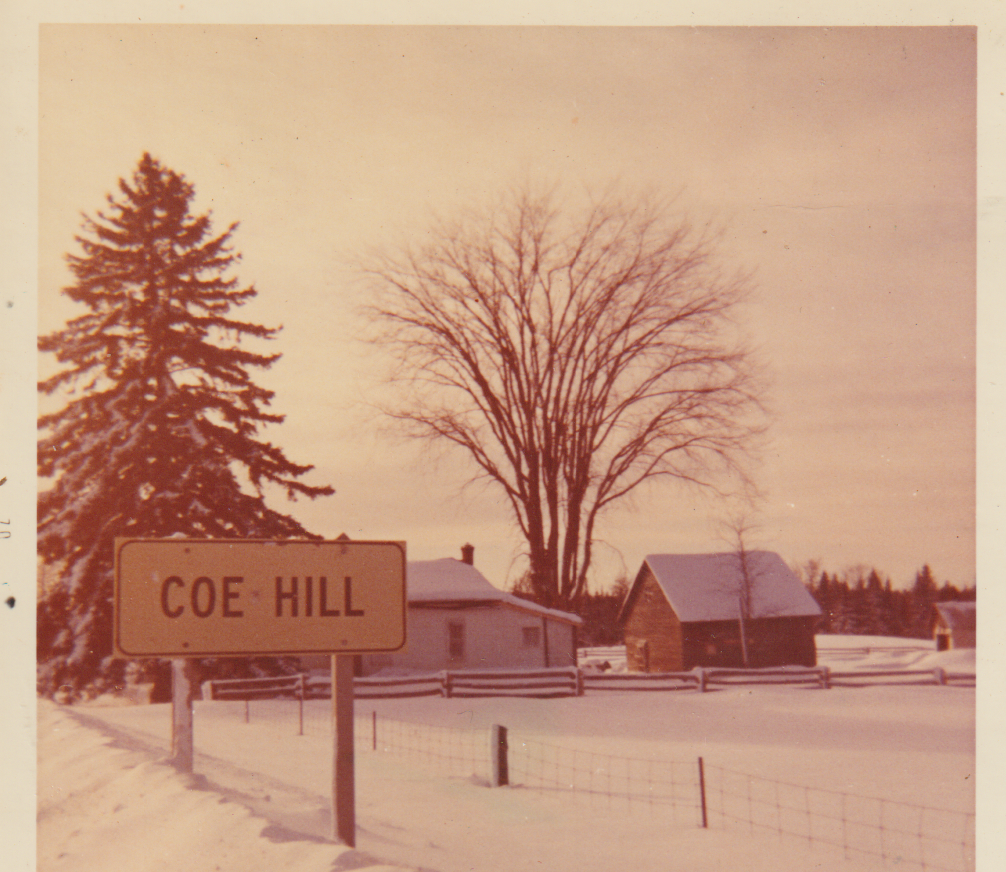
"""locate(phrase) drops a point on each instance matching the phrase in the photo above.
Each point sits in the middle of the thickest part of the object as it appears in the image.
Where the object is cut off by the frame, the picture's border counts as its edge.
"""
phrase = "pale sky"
(840, 162)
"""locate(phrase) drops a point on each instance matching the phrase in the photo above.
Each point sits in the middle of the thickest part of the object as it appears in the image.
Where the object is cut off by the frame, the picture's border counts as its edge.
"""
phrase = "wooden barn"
(956, 625)
(457, 620)
(684, 610)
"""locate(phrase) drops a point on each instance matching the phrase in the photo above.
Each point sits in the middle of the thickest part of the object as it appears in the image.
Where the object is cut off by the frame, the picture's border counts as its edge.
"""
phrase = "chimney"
(468, 554)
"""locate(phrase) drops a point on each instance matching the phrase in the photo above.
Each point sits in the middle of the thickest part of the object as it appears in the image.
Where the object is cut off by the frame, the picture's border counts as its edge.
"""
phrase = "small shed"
(956, 624)
(456, 619)
(684, 611)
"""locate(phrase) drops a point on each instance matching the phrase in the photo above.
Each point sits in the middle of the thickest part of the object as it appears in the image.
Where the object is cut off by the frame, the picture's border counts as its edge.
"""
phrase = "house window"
(455, 640)
(532, 637)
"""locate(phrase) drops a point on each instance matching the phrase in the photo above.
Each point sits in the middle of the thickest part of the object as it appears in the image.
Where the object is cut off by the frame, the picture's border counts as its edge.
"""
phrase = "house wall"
(491, 636)
(653, 633)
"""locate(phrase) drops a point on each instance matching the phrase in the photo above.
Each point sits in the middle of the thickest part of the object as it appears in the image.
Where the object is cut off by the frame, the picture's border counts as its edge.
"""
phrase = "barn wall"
(953, 637)
(493, 637)
(653, 640)
(712, 643)
(964, 639)
(782, 641)
(960, 636)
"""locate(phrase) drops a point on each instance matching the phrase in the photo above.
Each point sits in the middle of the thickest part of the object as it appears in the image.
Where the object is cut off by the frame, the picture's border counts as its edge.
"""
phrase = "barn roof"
(958, 616)
(449, 580)
(705, 587)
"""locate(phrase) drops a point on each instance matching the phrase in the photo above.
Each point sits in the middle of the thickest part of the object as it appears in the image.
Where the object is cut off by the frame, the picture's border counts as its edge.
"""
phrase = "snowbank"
(106, 805)
(961, 660)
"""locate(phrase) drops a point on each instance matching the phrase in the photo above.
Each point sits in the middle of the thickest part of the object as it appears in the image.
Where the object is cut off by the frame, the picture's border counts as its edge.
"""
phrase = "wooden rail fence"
(563, 682)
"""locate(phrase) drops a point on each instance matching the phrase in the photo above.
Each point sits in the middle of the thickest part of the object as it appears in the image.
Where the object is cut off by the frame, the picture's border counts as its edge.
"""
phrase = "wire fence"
(901, 835)
(661, 787)
(454, 750)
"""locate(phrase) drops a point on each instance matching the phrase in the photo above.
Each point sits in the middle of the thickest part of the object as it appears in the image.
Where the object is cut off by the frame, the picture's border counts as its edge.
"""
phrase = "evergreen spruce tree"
(902, 612)
(856, 616)
(822, 593)
(877, 622)
(923, 597)
(889, 610)
(841, 598)
(160, 432)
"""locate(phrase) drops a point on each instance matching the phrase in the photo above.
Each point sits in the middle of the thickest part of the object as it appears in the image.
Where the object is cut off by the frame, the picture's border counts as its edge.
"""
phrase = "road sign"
(220, 597)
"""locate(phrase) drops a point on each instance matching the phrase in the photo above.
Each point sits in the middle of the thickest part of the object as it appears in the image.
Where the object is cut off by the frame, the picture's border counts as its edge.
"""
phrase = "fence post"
(373, 729)
(247, 711)
(498, 749)
(579, 681)
(702, 679)
(826, 677)
(941, 675)
(702, 794)
(300, 698)
(447, 683)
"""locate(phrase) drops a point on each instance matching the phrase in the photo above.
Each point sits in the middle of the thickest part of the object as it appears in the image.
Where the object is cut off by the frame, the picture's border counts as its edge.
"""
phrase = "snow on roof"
(452, 580)
(705, 587)
(958, 615)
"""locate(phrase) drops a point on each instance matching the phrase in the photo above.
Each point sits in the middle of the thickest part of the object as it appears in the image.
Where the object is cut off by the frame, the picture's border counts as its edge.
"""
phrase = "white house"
(457, 620)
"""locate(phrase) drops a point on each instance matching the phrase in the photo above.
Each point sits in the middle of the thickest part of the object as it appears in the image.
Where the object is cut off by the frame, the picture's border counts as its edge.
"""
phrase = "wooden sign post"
(188, 598)
(182, 681)
(343, 771)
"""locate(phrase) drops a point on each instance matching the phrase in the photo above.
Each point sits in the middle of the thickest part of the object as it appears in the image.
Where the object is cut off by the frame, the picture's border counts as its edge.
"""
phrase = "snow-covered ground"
(261, 797)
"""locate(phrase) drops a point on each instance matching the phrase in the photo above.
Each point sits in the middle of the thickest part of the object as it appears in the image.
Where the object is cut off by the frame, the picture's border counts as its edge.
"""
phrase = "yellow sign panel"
(220, 597)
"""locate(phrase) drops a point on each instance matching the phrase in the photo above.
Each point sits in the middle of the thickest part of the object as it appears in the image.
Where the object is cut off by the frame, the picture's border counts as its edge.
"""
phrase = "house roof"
(958, 616)
(449, 580)
(705, 587)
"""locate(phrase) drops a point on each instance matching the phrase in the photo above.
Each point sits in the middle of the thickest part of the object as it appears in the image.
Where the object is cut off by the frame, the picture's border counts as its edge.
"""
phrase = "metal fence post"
(300, 698)
(702, 794)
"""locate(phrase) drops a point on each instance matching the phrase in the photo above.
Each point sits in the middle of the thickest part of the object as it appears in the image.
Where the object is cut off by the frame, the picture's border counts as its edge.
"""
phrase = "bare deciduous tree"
(737, 530)
(573, 356)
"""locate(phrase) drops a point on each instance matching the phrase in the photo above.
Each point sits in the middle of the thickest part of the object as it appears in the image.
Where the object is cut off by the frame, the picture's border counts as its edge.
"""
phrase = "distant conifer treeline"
(860, 603)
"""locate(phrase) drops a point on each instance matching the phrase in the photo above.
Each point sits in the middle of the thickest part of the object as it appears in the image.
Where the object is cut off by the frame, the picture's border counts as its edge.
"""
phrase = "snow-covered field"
(261, 797)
